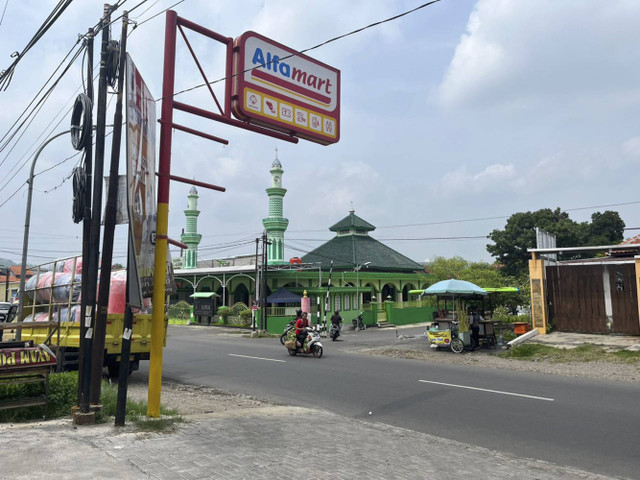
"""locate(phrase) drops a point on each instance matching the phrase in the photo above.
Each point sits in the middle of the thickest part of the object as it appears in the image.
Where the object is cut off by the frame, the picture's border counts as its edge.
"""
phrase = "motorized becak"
(447, 337)
(311, 346)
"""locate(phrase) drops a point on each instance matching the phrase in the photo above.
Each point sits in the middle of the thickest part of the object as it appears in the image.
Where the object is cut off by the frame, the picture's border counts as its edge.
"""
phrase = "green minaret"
(191, 237)
(275, 224)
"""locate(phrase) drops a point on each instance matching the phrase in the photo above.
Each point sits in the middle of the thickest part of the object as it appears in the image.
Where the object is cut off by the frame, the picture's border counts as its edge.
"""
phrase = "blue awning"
(283, 295)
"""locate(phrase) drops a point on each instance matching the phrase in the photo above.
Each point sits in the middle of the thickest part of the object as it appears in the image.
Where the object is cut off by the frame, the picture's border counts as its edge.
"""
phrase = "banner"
(141, 198)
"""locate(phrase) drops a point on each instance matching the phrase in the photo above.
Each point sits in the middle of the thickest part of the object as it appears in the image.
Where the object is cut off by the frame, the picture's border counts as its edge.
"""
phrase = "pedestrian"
(475, 328)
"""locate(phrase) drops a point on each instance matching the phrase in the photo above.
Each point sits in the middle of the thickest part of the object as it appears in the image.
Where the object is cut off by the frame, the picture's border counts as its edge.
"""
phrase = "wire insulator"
(79, 190)
(81, 122)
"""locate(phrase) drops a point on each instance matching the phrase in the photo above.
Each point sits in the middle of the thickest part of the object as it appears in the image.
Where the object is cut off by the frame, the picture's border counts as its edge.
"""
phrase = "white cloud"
(632, 147)
(519, 53)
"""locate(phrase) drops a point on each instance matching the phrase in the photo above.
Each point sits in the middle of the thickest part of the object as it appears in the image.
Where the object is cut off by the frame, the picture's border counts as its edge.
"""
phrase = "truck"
(51, 316)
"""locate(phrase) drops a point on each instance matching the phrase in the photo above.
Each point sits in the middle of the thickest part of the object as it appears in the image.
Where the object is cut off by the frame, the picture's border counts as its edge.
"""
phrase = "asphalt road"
(592, 425)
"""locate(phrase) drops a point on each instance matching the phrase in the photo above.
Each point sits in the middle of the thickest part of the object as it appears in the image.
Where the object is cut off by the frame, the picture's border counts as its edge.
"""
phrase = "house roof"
(352, 221)
(348, 251)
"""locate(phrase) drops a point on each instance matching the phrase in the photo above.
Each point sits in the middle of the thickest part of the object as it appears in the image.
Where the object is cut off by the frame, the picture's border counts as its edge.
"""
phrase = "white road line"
(490, 391)
(257, 358)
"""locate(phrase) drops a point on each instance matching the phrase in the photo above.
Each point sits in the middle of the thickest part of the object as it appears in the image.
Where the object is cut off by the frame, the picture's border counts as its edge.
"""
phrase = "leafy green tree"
(511, 244)
(482, 274)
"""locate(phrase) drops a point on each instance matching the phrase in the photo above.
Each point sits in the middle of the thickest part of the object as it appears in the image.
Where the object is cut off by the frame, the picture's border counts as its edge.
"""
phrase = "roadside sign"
(280, 88)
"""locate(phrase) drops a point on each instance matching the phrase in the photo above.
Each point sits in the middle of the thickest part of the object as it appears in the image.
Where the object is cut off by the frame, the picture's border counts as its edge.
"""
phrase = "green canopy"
(203, 295)
(502, 290)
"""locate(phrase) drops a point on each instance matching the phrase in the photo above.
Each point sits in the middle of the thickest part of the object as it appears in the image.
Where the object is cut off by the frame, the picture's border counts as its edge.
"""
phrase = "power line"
(6, 75)
(3, 11)
(339, 37)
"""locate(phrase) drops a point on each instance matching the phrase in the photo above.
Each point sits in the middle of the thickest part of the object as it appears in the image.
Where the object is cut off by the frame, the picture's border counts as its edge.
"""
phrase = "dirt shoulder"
(483, 358)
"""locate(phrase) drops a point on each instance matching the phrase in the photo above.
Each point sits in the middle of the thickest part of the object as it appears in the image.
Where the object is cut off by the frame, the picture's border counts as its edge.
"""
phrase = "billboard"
(141, 199)
(280, 88)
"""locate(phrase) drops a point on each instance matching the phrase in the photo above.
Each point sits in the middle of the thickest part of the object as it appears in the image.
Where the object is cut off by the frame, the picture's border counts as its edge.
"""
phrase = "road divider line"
(257, 358)
(533, 397)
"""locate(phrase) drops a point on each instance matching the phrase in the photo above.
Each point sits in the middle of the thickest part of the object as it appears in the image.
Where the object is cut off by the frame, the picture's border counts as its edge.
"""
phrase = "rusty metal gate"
(599, 298)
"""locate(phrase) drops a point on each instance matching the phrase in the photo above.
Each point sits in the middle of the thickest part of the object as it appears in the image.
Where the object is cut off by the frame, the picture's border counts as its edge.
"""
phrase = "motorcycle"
(358, 323)
(287, 329)
(311, 345)
(334, 331)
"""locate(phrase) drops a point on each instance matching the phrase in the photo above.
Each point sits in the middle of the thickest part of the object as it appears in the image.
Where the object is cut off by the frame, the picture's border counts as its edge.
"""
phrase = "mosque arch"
(388, 292)
(370, 295)
(405, 290)
(241, 294)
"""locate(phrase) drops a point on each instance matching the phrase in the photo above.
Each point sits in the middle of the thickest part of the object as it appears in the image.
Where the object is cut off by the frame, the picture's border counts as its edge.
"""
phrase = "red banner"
(13, 358)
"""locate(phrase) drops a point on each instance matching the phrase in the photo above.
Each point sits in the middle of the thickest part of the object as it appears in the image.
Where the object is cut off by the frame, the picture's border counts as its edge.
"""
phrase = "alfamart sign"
(280, 88)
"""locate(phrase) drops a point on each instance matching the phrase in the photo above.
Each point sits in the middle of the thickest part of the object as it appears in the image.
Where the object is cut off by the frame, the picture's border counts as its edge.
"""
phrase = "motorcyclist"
(301, 329)
(336, 320)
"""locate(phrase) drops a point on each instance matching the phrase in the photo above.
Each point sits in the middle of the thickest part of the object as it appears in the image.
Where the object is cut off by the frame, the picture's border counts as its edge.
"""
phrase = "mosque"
(359, 272)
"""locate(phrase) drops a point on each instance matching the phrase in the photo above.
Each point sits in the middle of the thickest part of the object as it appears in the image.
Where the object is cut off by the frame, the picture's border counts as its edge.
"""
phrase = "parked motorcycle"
(358, 323)
(334, 331)
(287, 329)
(311, 345)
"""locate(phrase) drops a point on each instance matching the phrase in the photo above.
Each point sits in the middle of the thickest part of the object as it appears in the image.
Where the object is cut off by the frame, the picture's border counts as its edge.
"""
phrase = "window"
(355, 302)
(347, 301)
(336, 302)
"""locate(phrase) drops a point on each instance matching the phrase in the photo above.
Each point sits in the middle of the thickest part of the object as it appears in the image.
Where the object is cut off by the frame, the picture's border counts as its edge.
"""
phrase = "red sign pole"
(162, 225)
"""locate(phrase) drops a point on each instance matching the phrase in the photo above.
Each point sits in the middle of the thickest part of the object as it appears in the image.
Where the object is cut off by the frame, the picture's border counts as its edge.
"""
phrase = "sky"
(453, 118)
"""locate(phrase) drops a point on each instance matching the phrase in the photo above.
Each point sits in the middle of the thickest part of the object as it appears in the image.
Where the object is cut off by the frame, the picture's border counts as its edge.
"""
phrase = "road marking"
(257, 358)
(490, 391)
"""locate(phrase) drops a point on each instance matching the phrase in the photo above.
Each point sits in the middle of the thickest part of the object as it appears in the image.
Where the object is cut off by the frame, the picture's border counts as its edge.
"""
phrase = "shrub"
(245, 315)
(224, 313)
(63, 394)
(501, 314)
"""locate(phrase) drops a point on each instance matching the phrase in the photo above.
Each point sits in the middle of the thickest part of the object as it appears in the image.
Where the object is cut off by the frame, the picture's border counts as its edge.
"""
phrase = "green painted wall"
(406, 316)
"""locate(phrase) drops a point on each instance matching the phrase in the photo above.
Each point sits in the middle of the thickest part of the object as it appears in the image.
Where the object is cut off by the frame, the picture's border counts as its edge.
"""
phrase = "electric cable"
(3, 11)
(79, 191)
(339, 37)
(6, 75)
(81, 121)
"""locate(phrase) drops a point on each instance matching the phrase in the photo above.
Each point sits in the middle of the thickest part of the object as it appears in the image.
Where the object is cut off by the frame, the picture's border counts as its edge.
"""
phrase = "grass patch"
(178, 321)
(63, 394)
(162, 424)
(583, 353)
(135, 410)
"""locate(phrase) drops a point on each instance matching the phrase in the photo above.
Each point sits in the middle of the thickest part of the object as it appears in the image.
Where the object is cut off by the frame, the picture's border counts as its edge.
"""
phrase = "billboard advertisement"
(280, 88)
(141, 199)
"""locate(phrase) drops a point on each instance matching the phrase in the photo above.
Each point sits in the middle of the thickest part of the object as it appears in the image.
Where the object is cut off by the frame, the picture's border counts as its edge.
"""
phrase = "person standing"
(475, 328)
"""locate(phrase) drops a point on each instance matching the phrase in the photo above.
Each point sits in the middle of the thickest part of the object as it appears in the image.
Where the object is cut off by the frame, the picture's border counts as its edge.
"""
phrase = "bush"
(501, 314)
(224, 312)
(245, 315)
(63, 394)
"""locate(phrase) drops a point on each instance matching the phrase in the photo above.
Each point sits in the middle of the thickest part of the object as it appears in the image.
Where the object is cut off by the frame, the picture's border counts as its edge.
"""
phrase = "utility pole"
(263, 289)
(84, 357)
(96, 370)
(109, 232)
(110, 223)
(256, 286)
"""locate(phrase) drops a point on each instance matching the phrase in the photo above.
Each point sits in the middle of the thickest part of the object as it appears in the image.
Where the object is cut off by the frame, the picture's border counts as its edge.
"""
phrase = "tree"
(482, 274)
(511, 244)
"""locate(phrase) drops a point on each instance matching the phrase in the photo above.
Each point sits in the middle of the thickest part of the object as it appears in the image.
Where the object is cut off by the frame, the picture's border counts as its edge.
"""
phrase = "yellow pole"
(157, 317)
(162, 219)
